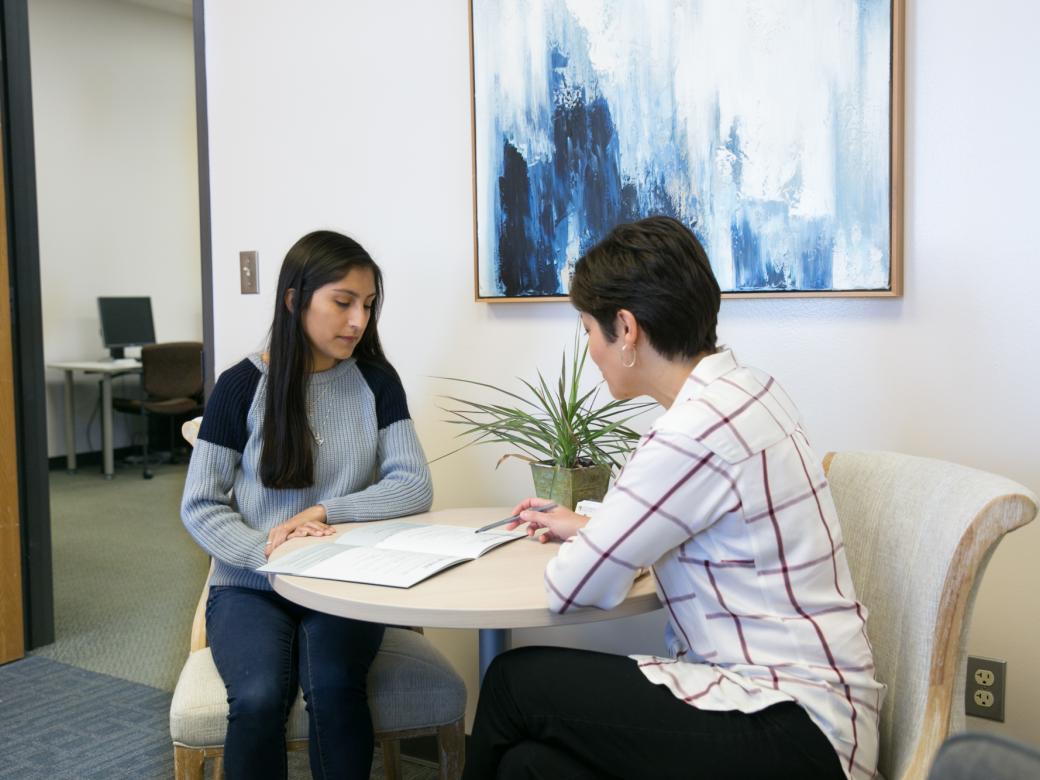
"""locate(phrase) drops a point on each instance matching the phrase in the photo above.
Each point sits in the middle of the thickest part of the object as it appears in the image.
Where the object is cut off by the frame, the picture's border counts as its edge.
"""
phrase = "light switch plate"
(248, 280)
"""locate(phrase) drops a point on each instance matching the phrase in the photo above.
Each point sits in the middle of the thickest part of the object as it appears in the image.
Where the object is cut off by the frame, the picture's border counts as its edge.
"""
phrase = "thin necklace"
(319, 439)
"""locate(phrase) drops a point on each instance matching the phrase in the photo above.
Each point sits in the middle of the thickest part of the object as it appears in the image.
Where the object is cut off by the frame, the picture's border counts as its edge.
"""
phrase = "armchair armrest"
(198, 623)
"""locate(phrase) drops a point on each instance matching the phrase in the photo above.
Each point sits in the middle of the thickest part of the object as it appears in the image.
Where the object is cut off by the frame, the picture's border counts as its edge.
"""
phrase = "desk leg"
(492, 642)
(106, 426)
(70, 423)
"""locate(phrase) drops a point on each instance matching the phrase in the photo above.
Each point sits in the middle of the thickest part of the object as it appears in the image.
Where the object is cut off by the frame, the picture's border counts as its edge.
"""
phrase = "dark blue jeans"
(265, 647)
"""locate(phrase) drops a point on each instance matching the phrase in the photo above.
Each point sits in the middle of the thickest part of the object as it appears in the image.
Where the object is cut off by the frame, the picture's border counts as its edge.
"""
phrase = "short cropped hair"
(658, 270)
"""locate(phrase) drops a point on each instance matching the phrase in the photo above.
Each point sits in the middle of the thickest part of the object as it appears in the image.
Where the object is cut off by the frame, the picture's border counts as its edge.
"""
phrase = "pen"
(514, 518)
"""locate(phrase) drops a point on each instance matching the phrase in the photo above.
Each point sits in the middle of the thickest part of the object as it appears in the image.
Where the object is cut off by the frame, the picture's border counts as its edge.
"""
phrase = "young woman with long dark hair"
(315, 431)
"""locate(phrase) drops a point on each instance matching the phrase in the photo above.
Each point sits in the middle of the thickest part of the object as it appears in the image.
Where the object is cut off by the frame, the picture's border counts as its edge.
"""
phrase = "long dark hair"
(317, 259)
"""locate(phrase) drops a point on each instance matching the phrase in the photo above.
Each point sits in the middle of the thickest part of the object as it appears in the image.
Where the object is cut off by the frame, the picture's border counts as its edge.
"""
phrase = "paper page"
(370, 565)
(373, 565)
(371, 534)
(298, 562)
(453, 540)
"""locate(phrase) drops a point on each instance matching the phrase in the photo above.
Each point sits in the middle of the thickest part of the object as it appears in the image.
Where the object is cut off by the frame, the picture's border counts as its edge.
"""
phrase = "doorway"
(113, 105)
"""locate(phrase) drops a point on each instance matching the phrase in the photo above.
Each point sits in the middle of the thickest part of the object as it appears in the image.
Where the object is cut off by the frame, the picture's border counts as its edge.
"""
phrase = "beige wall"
(357, 117)
(117, 183)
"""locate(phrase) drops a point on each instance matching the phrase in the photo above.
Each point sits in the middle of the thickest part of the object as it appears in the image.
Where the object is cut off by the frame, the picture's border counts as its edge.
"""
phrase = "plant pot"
(569, 486)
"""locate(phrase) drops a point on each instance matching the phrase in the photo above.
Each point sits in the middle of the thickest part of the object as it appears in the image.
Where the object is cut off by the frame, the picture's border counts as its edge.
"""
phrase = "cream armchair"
(918, 535)
(412, 691)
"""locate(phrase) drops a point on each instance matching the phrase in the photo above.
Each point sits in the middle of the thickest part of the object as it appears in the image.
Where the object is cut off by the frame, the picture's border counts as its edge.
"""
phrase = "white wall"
(117, 184)
(356, 117)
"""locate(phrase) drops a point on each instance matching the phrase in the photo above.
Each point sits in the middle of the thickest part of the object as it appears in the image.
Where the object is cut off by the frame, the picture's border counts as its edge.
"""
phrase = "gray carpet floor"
(127, 577)
(59, 722)
(126, 574)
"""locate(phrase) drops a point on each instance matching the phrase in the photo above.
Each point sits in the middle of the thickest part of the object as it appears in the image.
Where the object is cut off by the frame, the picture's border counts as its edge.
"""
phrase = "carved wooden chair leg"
(451, 749)
(188, 763)
(391, 759)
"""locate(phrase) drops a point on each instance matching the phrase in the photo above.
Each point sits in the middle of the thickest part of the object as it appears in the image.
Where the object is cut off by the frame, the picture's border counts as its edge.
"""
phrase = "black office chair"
(171, 378)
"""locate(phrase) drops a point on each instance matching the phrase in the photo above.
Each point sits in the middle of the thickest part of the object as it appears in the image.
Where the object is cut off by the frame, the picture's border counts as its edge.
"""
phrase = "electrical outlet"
(984, 693)
(248, 281)
(985, 677)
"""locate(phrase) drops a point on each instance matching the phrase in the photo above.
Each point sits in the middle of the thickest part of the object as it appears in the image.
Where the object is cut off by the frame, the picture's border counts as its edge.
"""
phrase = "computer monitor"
(125, 322)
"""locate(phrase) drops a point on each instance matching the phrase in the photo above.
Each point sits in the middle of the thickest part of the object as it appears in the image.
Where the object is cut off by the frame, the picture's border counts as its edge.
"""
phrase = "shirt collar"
(707, 370)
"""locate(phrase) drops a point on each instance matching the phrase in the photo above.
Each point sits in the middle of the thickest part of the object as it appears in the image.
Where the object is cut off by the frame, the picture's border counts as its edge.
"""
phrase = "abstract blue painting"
(764, 125)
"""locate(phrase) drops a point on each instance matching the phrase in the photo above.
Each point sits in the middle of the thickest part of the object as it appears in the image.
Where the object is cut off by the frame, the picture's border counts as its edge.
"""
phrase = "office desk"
(107, 369)
(500, 590)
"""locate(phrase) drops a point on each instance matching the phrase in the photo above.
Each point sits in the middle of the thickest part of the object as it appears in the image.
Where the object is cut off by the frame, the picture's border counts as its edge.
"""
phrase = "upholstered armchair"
(918, 534)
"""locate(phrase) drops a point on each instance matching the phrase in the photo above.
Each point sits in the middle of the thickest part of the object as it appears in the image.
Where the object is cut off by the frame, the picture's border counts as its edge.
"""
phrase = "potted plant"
(571, 442)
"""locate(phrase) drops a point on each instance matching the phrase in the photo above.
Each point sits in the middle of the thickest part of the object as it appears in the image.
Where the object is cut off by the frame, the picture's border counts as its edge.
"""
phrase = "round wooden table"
(500, 590)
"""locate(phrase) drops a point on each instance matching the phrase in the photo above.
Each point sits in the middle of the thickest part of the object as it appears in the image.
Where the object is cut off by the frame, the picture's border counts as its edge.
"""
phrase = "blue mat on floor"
(61, 722)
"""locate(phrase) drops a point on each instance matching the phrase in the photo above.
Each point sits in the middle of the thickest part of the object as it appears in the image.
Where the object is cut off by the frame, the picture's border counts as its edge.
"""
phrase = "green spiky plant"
(556, 424)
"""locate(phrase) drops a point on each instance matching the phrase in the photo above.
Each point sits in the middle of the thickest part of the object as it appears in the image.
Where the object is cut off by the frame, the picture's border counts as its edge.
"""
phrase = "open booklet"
(398, 554)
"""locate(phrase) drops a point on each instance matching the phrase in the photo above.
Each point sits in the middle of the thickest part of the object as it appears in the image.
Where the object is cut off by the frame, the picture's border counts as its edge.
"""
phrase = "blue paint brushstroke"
(577, 192)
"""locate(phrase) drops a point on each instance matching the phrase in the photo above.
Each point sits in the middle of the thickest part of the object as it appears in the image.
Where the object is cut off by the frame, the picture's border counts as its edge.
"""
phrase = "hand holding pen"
(559, 523)
(515, 519)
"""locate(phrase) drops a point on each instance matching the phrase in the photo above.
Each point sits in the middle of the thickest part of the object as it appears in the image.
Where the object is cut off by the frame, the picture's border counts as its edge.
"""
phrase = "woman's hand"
(309, 522)
(559, 523)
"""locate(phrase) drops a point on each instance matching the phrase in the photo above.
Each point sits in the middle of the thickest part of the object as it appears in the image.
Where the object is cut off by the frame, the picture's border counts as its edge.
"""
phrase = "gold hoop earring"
(623, 348)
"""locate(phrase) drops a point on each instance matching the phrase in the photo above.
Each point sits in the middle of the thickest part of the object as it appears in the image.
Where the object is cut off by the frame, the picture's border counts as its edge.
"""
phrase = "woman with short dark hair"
(769, 671)
(289, 444)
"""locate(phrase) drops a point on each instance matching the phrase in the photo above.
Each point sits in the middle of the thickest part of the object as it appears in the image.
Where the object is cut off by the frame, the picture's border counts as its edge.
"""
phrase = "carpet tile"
(58, 721)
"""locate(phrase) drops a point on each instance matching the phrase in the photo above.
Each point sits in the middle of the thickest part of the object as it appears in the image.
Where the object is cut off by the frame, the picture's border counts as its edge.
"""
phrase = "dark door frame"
(30, 399)
(198, 17)
(16, 123)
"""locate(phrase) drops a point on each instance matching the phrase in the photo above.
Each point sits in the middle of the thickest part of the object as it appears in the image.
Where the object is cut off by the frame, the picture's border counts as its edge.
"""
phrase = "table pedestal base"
(492, 642)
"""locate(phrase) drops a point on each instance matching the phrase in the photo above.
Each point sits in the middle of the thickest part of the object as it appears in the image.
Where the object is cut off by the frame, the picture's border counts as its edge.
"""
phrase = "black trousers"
(556, 713)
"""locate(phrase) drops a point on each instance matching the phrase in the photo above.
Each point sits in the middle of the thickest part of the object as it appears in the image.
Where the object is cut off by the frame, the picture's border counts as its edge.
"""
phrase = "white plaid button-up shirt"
(727, 502)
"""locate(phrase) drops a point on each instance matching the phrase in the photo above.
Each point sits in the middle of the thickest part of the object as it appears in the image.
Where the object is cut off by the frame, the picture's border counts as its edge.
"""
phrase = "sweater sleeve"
(403, 485)
(206, 508)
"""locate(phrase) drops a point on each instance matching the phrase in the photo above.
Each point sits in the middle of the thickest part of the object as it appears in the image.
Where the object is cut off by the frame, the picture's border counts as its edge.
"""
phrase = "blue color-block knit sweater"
(369, 466)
